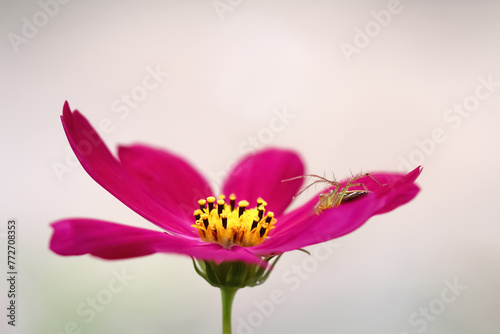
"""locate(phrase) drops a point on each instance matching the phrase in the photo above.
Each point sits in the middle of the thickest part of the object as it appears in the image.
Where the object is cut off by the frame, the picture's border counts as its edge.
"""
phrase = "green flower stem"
(227, 304)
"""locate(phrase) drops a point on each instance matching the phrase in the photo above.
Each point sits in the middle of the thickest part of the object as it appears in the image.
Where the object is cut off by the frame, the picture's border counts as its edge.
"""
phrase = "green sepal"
(235, 274)
(212, 277)
(200, 271)
(304, 250)
(268, 271)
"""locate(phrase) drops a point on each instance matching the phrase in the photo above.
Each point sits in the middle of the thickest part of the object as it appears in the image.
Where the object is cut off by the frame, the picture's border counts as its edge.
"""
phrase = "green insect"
(337, 195)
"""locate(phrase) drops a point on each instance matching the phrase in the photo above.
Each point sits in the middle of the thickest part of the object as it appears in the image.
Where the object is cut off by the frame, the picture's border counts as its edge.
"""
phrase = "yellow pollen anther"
(242, 206)
(256, 221)
(220, 206)
(221, 223)
(269, 217)
(211, 201)
(223, 218)
(232, 201)
(205, 220)
(197, 214)
(261, 211)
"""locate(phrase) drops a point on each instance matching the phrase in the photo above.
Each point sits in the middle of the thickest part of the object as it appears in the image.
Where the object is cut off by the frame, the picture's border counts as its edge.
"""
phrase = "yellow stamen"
(211, 201)
(242, 206)
(229, 225)
(232, 201)
(220, 206)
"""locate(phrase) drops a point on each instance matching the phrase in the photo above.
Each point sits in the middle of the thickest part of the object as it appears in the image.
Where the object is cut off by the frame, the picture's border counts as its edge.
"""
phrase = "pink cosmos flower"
(248, 225)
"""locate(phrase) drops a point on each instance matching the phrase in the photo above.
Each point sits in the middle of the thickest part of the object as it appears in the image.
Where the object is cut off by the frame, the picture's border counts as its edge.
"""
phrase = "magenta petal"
(106, 170)
(105, 240)
(173, 182)
(312, 229)
(114, 241)
(261, 175)
(302, 227)
(400, 190)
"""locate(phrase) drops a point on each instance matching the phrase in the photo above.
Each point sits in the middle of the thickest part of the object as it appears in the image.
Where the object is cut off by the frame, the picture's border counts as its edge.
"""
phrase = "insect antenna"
(320, 179)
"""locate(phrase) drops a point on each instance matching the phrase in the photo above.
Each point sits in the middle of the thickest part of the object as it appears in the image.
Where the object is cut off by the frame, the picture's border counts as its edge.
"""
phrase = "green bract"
(234, 274)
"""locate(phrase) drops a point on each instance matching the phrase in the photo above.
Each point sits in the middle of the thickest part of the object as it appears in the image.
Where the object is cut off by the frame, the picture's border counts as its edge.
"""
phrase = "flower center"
(230, 225)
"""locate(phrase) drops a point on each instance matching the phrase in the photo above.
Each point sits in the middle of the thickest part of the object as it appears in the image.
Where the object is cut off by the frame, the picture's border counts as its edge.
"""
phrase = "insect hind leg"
(320, 179)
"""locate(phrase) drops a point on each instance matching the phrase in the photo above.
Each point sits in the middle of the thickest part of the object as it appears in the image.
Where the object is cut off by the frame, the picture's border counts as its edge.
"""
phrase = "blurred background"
(351, 86)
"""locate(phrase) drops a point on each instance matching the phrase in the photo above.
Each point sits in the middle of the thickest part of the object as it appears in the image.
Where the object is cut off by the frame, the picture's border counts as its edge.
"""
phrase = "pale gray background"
(226, 78)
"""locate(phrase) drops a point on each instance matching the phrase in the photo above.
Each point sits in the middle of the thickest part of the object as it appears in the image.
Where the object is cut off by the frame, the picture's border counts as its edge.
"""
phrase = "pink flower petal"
(399, 190)
(302, 227)
(261, 175)
(174, 183)
(105, 169)
(114, 241)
